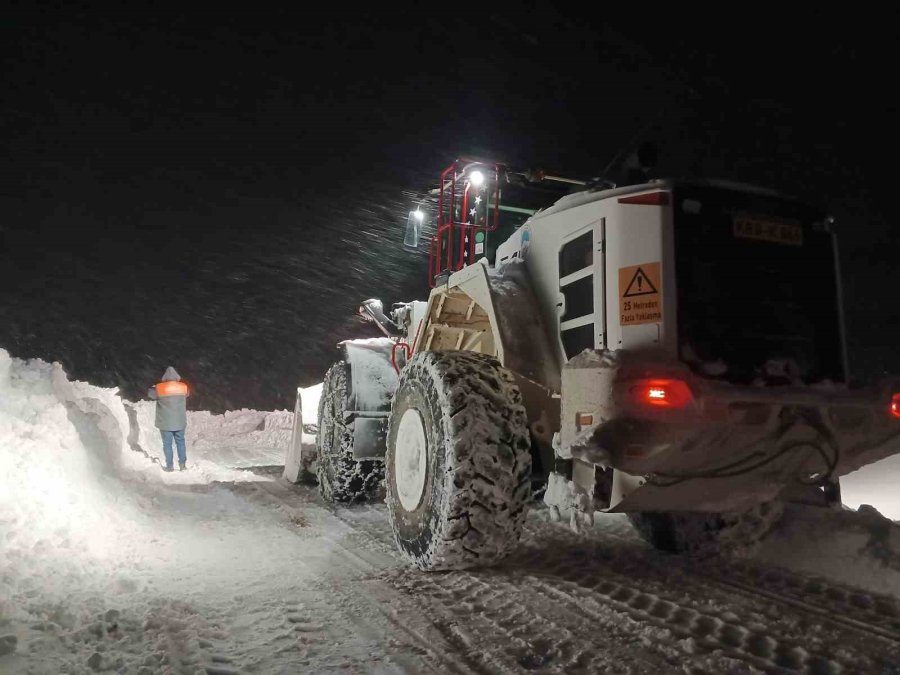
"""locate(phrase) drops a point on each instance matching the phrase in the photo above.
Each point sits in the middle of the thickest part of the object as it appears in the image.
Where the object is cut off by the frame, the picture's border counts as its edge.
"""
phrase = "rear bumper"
(729, 446)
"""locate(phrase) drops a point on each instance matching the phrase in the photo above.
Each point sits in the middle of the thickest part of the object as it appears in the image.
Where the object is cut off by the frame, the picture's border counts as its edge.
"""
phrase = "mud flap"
(370, 437)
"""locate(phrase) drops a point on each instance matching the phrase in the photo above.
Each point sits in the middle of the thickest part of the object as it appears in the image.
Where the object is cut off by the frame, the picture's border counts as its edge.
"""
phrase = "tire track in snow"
(501, 630)
(561, 633)
(803, 639)
(827, 642)
(581, 577)
(462, 649)
(494, 632)
(560, 595)
(494, 621)
(403, 616)
(870, 613)
(698, 631)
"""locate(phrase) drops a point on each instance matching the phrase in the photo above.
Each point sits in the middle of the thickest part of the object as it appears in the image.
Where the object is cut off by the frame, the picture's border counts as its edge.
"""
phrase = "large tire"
(341, 477)
(706, 534)
(458, 461)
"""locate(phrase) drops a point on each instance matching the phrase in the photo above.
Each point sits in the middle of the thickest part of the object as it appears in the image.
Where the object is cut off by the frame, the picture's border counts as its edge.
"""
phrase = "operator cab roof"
(592, 195)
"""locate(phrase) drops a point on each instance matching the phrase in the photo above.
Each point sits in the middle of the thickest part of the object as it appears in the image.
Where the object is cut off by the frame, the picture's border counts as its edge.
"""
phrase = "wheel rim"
(410, 459)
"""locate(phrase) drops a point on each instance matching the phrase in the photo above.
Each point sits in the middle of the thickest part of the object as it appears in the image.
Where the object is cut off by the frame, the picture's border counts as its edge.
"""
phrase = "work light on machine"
(413, 228)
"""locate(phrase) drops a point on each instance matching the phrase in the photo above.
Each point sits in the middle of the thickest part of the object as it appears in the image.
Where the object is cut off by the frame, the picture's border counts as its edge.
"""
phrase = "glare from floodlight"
(419, 215)
(476, 178)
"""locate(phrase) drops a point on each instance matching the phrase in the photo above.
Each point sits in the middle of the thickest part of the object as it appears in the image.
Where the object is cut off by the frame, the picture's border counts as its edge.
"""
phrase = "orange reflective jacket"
(171, 389)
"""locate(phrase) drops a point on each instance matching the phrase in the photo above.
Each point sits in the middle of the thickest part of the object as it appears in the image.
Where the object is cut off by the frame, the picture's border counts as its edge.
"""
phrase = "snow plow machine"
(673, 350)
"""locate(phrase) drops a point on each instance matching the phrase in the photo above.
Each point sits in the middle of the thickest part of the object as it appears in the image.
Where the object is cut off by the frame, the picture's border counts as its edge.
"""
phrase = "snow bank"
(877, 484)
(218, 446)
(90, 530)
(70, 480)
(859, 548)
(64, 512)
(61, 445)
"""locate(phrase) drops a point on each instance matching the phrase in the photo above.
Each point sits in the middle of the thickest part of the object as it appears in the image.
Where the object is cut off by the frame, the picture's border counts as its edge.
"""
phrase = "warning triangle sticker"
(640, 284)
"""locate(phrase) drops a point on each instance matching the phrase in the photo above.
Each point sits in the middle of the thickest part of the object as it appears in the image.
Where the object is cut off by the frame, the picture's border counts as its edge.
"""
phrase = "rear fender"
(496, 313)
(493, 313)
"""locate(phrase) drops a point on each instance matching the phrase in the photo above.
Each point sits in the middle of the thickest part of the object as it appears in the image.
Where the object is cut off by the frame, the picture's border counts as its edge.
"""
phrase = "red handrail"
(440, 252)
(394, 348)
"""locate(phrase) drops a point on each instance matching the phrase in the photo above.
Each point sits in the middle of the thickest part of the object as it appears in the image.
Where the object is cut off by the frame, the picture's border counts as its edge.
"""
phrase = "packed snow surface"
(107, 564)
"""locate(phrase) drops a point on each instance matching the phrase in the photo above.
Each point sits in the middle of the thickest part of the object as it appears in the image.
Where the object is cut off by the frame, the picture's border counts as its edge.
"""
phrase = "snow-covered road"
(107, 564)
(260, 576)
(602, 601)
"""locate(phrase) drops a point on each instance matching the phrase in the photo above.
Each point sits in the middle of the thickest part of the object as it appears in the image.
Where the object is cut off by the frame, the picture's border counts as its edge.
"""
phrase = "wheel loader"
(673, 350)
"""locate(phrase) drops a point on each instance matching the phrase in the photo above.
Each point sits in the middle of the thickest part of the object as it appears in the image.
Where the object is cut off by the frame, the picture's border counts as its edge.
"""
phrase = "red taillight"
(895, 405)
(647, 199)
(662, 393)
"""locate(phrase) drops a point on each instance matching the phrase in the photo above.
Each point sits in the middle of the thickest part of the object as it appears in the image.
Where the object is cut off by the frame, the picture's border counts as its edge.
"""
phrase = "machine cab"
(738, 282)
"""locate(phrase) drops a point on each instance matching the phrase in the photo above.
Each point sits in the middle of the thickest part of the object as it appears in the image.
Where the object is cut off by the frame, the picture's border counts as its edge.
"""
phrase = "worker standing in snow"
(171, 415)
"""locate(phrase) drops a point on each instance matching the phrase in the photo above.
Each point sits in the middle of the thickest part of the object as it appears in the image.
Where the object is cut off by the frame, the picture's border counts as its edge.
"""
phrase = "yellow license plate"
(768, 229)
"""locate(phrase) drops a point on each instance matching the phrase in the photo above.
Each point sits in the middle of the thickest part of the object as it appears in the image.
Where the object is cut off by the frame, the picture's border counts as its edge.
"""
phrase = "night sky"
(217, 192)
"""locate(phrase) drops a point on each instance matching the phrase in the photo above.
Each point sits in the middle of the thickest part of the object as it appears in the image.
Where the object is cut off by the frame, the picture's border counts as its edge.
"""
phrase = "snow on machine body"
(673, 350)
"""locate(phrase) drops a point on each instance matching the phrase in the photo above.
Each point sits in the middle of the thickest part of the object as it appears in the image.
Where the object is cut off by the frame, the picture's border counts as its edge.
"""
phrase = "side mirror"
(413, 227)
(373, 310)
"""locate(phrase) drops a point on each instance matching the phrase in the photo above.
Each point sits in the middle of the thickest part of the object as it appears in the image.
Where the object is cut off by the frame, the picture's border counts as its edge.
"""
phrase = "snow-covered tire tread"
(479, 462)
(342, 478)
